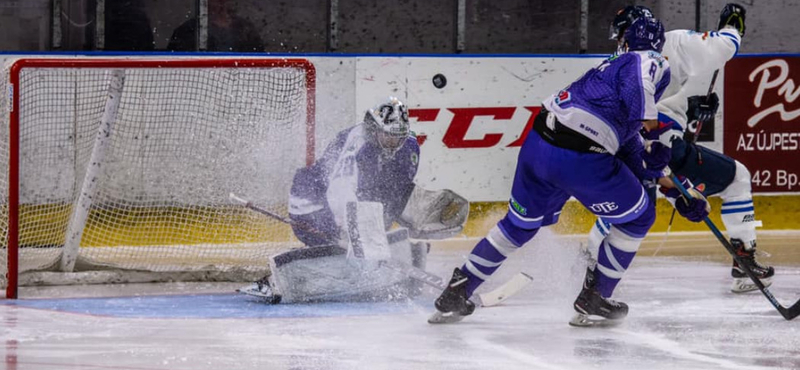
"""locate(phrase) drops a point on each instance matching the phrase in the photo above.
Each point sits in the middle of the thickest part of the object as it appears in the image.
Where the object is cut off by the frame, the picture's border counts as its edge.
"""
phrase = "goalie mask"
(389, 124)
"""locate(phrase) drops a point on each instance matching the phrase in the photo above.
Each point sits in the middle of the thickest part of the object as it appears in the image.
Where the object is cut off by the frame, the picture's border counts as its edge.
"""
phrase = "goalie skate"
(262, 290)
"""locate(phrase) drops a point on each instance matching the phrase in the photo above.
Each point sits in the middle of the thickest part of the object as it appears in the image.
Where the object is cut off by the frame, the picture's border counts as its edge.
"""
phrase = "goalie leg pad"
(366, 231)
(324, 273)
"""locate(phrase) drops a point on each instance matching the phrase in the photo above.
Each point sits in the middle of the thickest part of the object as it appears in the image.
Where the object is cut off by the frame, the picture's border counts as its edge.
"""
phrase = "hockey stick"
(694, 140)
(787, 313)
(488, 299)
(708, 96)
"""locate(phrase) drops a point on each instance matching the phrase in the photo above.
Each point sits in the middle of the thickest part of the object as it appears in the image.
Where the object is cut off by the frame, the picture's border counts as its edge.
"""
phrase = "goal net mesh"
(182, 139)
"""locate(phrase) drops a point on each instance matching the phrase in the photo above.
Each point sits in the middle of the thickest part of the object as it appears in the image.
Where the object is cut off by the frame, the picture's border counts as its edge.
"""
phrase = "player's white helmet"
(389, 123)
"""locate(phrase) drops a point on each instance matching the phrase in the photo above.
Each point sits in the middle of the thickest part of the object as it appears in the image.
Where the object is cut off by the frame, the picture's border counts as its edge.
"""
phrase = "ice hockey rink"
(681, 317)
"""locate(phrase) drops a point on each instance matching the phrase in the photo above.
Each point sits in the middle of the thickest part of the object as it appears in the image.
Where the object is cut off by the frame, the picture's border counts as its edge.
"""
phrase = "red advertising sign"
(762, 120)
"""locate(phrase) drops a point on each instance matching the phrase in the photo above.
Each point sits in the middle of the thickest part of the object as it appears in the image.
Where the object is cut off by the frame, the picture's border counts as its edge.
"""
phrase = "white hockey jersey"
(693, 54)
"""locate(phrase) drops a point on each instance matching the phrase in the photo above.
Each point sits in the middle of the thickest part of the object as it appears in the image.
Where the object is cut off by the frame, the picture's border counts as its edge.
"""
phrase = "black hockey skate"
(741, 282)
(594, 310)
(261, 289)
(453, 305)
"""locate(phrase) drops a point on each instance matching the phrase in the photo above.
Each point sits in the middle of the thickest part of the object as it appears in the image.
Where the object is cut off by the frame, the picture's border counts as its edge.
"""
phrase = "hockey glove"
(657, 149)
(633, 154)
(702, 108)
(732, 15)
(694, 209)
(656, 157)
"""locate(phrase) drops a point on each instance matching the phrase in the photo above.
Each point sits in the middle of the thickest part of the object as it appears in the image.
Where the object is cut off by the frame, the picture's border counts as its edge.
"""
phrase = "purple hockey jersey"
(608, 103)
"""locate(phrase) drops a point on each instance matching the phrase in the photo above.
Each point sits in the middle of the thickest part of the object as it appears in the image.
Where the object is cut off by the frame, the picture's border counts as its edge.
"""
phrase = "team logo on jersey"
(518, 207)
(414, 158)
(563, 97)
(658, 57)
(604, 207)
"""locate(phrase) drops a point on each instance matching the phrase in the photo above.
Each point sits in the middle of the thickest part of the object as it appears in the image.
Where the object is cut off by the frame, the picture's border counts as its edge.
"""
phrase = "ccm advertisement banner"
(762, 120)
(471, 115)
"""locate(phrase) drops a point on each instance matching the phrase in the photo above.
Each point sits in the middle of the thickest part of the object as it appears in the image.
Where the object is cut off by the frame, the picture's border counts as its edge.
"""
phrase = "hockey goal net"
(119, 170)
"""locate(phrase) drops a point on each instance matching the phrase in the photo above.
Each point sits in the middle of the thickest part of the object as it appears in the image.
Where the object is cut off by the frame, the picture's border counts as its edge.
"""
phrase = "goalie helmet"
(389, 124)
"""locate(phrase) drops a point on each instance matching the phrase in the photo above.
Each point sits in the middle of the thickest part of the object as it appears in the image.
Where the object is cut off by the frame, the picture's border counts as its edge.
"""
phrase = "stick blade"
(791, 312)
(444, 318)
(503, 292)
(586, 321)
(236, 199)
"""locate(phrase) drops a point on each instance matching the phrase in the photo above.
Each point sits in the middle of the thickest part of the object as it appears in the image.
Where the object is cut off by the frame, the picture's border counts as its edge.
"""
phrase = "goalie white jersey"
(354, 168)
(691, 54)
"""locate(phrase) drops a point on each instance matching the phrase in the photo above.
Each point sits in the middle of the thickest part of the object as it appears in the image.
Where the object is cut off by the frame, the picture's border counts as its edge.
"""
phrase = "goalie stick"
(488, 299)
(787, 313)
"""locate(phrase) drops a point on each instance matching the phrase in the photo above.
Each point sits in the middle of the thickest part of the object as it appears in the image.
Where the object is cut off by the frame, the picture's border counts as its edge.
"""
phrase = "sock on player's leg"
(487, 256)
(594, 305)
(738, 216)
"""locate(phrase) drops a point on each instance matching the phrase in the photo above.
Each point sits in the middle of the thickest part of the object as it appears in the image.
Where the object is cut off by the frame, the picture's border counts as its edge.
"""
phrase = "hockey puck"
(439, 81)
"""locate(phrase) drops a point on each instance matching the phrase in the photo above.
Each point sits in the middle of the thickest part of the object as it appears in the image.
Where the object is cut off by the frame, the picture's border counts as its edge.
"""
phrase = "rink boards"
(471, 128)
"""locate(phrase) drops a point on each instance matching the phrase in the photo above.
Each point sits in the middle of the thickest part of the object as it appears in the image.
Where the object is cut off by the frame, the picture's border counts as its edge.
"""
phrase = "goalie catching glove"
(436, 214)
(695, 209)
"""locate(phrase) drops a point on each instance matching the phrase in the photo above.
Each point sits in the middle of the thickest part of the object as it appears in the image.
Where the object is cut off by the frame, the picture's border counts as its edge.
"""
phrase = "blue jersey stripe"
(739, 203)
(734, 40)
(737, 210)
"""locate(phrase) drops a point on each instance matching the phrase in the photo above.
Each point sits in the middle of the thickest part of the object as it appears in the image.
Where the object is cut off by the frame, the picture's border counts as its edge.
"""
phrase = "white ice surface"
(681, 317)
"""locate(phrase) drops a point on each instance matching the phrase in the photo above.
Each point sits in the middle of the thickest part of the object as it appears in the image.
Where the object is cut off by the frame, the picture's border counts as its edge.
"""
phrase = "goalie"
(359, 188)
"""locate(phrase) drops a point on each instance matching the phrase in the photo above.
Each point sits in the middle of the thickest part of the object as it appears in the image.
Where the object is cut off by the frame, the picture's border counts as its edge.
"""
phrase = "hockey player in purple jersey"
(693, 55)
(366, 173)
(587, 144)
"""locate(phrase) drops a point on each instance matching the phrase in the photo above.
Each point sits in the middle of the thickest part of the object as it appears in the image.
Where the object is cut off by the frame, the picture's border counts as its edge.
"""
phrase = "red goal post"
(136, 177)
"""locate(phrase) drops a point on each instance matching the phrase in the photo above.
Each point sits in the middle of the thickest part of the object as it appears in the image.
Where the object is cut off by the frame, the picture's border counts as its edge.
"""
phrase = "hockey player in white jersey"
(692, 54)
(360, 187)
